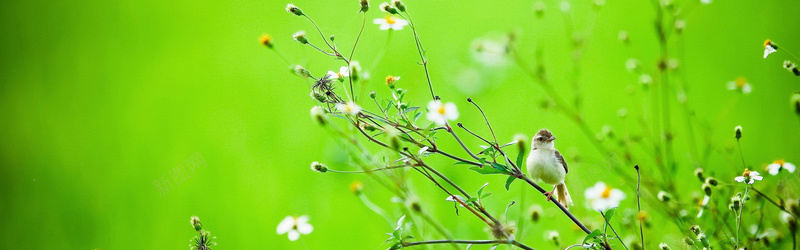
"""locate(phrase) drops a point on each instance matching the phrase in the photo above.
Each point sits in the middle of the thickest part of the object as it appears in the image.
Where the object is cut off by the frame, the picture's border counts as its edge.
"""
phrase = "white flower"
(602, 197)
(441, 113)
(343, 72)
(777, 165)
(294, 226)
(349, 108)
(490, 51)
(749, 177)
(703, 204)
(390, 22)
(769, 48)
(740, 84)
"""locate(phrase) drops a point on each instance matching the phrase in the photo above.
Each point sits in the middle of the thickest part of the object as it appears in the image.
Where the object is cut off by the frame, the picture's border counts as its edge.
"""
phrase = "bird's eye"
(540, 138)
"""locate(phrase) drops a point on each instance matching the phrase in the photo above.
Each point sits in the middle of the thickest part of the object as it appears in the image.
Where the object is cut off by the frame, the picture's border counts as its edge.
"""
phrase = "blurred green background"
(102, 99)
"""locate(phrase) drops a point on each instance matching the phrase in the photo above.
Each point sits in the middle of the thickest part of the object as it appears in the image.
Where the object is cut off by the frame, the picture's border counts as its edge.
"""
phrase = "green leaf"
(610, 213)
(470, 200)
(486, 170)
(485, 195)
(519, 159)
(594, 233)
(509, 181)
(481, 189)
(499, 167)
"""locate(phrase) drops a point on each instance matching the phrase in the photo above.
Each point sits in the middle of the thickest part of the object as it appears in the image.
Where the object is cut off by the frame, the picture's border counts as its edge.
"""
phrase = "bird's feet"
(548, 194)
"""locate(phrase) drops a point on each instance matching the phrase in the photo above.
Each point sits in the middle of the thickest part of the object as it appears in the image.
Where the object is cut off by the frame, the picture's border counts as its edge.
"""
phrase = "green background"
(99, 99)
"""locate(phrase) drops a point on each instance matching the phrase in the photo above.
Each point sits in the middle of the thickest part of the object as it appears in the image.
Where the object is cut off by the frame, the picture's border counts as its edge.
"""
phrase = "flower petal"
(789, 167)
(304, 228)
(747, 88)
(379, 21)
(451, 111)
(773, 168)
(285, 225)
(294, 235)
(739, 178)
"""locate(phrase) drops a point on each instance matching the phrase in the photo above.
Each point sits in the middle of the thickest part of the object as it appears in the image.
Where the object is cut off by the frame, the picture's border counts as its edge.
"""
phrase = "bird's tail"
(563, 195)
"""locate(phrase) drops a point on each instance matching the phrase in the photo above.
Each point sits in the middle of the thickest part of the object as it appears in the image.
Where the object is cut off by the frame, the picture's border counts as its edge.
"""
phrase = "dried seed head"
(300, 71)
(266, 40)
(399, 5)
(294, 10)
(196, 223)
(300, 37)
(319, 167)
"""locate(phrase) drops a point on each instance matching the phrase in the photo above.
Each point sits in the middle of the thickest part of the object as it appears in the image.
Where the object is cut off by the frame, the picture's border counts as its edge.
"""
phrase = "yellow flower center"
(441, 110)
(390, 19)
(641, 215)
(780, 162)
(606, 193)
(740, 82)
(348, 108)
(767, 43)
(746, 173)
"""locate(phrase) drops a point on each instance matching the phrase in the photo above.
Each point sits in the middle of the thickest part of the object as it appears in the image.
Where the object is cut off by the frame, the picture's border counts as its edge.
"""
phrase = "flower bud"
(699, 173)
(522, 142)
(664, 196)
(196, 223)
(712, 181)
(300, 37)
(355, 70)
(706, 189)
(536, 213)
(364, 5)
(688, 241)
(736, 203)
(793, 206)
(414, 206)
(738, 132)
(663, 246)
(318, 114)
(680, 25)
(796, 102)
(294, 10)
(553, 236)
(372, 94)
(393, 138)
(266, 40)
(300, 71)
(388, 8)
(399, 5)
(319, 167)
(703, 240)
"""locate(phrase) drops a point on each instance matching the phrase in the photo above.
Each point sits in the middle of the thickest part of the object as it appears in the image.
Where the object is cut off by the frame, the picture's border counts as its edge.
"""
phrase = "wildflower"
(300, 36)
(390, 22)
(663, 246)
(294, 226)
(196, 223)
(564, 6)
(386, 7)
(266, 40)
(737, 132)
(603, 197)
(364, 5)
(399, 5)
(356, 187)
(703, 203)
(664, 196)
(740, 84)
(769, 48)
(348, 108)
(319, 167)
(778, 165)
(553, 236)
(536, 213)
(795, 101)
(318, 114)
(372, 94)
(749, 177)
(490, 51)
(521, 140)
(440, 113)
(390, 81)
(343, 72)
(294, 10)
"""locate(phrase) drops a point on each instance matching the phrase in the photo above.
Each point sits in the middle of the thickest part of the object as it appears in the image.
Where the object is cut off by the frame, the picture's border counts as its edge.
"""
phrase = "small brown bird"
(546, 163)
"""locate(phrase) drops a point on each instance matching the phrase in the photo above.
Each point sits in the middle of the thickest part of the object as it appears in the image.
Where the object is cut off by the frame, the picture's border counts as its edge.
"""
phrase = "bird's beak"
(552, 138)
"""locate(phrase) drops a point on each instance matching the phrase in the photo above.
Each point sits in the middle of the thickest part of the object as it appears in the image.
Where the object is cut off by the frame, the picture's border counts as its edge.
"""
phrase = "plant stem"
(612, 230)
(471, 242)
(420, 51)
(563, 209)
(638, 202)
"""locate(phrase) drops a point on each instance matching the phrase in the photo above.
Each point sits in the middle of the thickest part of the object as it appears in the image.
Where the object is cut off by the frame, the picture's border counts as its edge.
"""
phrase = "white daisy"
(440, 113)
(740, 84)
(777, 165)
(390, 22)
(294, 226)
(749, 177)
(343, 72)
(348, 108)
(769, 48)
(602, 197)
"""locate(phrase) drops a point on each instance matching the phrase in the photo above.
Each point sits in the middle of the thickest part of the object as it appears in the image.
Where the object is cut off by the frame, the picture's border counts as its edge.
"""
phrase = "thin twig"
(471, 242)
(638, 202)
(612, 230)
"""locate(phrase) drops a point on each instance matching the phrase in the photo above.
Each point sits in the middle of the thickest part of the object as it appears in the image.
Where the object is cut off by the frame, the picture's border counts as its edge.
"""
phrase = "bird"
(545, 163)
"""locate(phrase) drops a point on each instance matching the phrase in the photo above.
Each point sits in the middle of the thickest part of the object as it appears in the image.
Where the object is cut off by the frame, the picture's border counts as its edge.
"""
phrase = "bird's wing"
(561, 160)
